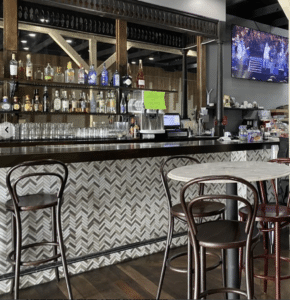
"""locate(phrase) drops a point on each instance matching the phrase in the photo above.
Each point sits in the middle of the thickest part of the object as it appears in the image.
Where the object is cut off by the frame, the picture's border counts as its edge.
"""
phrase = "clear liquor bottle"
(48, 73)
(92, 76)
(102, 107)
(83, 102)
(116, 79)
(59, 75)
(37, 105)
(13, 67)
(64, 102)
(140, 80)
(81, 75)
(57, 102)
(104, 76)
(93, 104)
(69, 73)
(113, 103)
(123, 106)
(74, 103)
(38, 75)
(5, 105)
(29, 67)
(16, 104)
(46, 103)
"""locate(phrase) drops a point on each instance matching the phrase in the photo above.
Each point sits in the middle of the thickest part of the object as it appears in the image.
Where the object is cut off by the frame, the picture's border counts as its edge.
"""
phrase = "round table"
(249, 170)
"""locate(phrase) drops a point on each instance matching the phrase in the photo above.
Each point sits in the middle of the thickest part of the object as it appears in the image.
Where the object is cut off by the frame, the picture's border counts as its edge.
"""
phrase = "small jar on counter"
(243, 133)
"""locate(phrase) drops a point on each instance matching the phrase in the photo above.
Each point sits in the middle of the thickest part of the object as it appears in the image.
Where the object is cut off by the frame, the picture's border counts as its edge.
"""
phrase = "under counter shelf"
(77, 86)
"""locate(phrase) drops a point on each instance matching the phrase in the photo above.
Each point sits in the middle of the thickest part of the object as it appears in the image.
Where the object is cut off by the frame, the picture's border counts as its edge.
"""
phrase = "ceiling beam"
(140, 53)
(109, 51)
(82, 46)
(280, 22)
(267, 10)
(42, 45)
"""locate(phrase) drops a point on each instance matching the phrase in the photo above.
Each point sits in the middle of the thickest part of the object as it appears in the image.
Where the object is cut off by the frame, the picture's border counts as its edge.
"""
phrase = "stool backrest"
(285, 161)
(12, 186)
(164, 170)
(252, 208)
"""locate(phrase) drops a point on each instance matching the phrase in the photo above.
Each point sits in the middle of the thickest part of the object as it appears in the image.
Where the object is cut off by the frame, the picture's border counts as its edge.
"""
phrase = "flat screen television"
(259, 55)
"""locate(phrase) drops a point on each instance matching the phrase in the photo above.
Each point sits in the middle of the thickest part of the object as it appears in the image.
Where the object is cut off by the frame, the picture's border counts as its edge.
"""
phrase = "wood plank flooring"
(138, 279)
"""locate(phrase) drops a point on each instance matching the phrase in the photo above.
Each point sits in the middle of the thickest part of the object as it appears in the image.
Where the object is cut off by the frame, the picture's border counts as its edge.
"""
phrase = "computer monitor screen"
(172, 121)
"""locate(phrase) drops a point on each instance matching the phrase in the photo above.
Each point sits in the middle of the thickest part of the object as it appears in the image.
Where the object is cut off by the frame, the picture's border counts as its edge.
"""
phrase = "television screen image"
(259, 55)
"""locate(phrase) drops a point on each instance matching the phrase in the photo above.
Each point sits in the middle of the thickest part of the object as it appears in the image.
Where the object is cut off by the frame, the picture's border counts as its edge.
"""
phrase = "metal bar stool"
(268, 214)
(220, 234)
(36, 202)
(175, 212)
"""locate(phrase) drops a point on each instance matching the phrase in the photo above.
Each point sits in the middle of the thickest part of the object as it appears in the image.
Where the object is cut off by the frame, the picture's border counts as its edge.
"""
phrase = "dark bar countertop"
(71, 153)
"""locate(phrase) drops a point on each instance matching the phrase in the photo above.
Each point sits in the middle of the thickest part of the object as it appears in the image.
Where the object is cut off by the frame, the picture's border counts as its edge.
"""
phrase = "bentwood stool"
(220, 234)
(175, 212)
(36, 202)
(268, 214)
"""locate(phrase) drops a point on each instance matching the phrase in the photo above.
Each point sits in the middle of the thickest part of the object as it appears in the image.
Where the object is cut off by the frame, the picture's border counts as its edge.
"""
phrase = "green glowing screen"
(154, 100)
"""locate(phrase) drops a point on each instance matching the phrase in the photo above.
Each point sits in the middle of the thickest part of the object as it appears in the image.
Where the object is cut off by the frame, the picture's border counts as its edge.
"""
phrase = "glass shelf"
(77, 86)
(62, 113)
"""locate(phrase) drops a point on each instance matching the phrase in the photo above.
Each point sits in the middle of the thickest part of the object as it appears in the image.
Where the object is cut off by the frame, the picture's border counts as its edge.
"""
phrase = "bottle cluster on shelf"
(20, 72)
(62, 102)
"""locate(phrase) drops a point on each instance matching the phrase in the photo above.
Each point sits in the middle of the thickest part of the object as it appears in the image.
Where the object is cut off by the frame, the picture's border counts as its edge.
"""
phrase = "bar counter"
(85, 152)
(114, 205)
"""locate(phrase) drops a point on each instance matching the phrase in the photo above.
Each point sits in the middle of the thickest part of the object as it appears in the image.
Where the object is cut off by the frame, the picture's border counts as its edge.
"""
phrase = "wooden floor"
(138, 279)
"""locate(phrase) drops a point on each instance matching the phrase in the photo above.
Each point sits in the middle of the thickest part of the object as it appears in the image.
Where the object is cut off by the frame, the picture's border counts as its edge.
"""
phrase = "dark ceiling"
(263, 11)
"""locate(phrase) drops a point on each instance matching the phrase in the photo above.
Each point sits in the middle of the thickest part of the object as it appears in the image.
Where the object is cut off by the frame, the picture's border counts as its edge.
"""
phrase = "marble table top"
(248, 170)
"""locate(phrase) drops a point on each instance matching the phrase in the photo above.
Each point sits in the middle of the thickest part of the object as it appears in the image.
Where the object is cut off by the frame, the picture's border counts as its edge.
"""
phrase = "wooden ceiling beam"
(267, 10)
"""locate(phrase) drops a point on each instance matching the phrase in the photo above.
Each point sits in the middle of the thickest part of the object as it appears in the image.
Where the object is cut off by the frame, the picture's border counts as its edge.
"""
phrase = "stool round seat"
(33, 202)
(202, 209)
(269, 213)
(224, 234)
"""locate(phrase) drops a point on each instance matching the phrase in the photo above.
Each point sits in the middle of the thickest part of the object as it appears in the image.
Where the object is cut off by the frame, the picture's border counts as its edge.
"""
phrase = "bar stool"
(36, 202)
(175, 212)
(220, 234)
(267, 214)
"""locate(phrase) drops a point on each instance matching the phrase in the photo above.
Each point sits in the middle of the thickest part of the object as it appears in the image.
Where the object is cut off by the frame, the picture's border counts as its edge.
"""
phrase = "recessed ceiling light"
(42, 20)
(32, 34)
(151, 58)
(26, 48)
(133, 62)
(69, 41)
(23, 41)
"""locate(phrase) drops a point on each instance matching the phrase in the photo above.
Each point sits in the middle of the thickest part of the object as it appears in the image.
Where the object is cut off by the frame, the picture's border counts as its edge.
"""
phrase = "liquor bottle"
(64, 102)
(5, 105)
(140, 80)
(113, 103)
(107, 102)
(21, 70)
(16, 104)
(88, 104)
(136, 130)
(28, 105)
(37, 105)
(13, 67)
(38, 75)
(127, 79)
(29, 68)
(104, 76)
(59, 76)
(48, 73)
(81, 75)
(74, 103)
(83, 102)
(93, 104)
(102, 108)
(57, 102)
(116, 79)
(69, 73)
(131, 129)
(92, 77)
(46, 105)
(123, 106)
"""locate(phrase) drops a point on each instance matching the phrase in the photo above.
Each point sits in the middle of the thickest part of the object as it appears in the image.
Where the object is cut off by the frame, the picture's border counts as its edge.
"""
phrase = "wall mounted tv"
(259, 55)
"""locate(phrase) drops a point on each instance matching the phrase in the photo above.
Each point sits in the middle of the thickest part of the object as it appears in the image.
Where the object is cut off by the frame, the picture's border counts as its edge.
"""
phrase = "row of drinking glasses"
(44, 131)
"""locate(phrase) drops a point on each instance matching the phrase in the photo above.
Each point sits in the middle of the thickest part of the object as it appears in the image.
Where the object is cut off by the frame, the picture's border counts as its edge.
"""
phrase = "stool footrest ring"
(11, 255)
